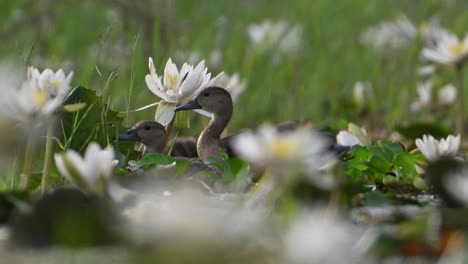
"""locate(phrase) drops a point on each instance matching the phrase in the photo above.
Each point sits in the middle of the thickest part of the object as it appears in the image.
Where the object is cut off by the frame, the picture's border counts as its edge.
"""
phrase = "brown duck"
(153, 136)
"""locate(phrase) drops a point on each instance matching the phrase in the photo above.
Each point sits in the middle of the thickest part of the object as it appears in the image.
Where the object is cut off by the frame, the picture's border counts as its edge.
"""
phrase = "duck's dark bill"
(189, 106)
(129, 135)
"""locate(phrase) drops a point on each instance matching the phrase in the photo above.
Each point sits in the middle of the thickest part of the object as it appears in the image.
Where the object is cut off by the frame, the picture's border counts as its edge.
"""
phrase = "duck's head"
(150, 133)
(215, 100)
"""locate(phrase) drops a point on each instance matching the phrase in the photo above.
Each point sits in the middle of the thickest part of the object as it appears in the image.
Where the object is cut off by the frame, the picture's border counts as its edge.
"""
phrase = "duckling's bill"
(130, 135)
(189, 106)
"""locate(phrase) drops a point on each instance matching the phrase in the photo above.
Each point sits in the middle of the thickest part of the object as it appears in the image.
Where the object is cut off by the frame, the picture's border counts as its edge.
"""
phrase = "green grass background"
(315, 85)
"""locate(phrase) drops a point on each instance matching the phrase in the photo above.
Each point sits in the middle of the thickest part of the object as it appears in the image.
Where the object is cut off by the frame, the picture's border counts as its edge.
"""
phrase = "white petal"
(165, 112)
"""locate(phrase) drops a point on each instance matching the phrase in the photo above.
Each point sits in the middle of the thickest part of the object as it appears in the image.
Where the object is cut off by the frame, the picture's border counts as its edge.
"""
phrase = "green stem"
(169, 129)
(48, 154)
(461, 102)
(27, 163)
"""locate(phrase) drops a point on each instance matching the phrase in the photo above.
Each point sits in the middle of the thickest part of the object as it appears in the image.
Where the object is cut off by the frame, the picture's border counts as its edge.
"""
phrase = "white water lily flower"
(431, 32)
(345, 138)
(86, 171)
(433, 149)
(361, 92)
(447, 94)
(424, 90)
(315, 237)
(233, 84)
(189, 218)
(391, 35)
(267, 35)
(448, 50)
(39, 95)
(175, 87)
(301, 149)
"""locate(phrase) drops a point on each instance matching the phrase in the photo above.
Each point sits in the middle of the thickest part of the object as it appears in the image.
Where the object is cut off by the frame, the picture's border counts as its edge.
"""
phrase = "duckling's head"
(150, 133)
(215, 100)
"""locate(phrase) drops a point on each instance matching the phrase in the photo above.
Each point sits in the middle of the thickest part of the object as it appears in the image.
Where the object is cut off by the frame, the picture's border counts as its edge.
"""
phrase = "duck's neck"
(154, 148)
(209, 141)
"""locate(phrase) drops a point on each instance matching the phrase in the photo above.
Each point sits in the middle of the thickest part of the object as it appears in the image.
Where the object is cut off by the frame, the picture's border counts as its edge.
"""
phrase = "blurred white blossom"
(97, 164)
(401, 32)
(175, 87)
(188, 219)
(355, 135)
(302, 149)
(276, 35)
(447, 94)
(433, 149)
(345, 138)
(448, 50)
(424, 90)
(390, 34)
(361, 92)
(232, 83)
(39, 96)
(315, 237)
(431, 32)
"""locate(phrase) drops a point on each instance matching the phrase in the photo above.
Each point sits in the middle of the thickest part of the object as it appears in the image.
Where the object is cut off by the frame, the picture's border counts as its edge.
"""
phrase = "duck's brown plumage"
(153, 136)
(217, 101)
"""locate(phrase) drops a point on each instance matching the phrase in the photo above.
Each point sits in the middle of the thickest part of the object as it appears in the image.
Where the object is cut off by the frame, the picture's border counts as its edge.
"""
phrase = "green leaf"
(379, 164)
(152, 159)
(405, 164)
(94, 122)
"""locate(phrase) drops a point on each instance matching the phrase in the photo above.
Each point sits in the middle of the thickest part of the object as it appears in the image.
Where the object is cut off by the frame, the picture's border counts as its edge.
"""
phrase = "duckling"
(153, 136)
(217, 101)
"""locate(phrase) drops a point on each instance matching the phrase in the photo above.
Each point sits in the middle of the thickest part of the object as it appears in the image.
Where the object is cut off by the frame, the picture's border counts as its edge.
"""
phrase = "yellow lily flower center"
(282, 148)
(40, 97)
(458, 49)
(173, 80)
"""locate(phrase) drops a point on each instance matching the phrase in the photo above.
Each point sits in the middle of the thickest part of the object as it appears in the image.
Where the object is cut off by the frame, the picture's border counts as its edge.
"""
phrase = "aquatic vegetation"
(319, 148)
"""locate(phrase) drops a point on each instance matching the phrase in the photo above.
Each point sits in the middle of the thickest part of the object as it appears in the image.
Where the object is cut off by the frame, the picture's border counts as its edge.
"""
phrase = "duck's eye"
(147, 128)
(206, 94)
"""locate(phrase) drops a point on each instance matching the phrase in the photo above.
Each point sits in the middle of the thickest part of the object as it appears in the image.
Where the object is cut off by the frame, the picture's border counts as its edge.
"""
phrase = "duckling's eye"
(206, 94)
(147, 128)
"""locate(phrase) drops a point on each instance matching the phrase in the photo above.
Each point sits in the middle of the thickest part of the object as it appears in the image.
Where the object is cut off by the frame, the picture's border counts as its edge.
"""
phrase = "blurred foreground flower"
(448, 50)
(433, 149)
(316, 237)
(175, 87)
(187, 226)
(276, 35)
(39, 96)
(270, 148)
(97, 164)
